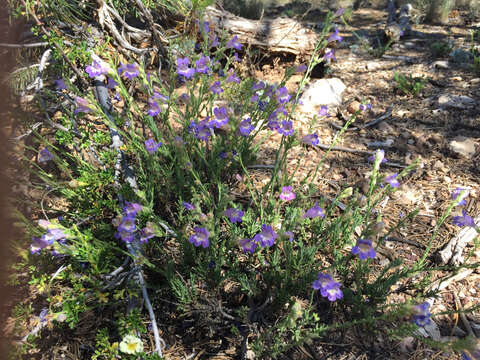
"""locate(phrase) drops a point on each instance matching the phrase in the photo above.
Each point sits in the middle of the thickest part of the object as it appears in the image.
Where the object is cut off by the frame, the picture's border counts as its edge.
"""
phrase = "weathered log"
(281, 35)
(396, 28)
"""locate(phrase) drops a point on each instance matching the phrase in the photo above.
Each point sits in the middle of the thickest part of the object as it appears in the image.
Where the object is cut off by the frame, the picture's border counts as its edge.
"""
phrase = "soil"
(420, 129)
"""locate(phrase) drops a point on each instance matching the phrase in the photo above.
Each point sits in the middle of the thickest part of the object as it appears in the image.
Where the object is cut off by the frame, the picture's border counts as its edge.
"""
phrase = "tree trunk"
(439, 10)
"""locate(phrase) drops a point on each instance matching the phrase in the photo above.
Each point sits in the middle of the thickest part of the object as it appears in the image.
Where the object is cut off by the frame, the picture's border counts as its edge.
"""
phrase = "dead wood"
(273, 35)
(452, 252)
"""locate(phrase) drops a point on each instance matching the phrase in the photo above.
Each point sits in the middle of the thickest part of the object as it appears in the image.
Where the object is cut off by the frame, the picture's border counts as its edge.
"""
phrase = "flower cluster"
(328, 287)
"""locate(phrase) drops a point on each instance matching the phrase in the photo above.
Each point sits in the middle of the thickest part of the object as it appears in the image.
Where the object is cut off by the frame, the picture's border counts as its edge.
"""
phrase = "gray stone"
(462, 146)
(459, 56)
(323, 92)
(455, 101)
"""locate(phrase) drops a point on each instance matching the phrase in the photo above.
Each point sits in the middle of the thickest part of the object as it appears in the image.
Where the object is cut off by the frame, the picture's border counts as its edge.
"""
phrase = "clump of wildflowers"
(364, 249)
(421, 314)
(328, 287)
(200, 237)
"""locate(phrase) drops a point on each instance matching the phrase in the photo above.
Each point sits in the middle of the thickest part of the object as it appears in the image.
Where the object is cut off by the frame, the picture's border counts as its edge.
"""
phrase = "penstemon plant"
(299, 267)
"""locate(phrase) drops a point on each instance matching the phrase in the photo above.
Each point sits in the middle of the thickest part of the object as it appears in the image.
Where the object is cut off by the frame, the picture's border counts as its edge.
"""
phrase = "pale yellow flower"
(131, 345)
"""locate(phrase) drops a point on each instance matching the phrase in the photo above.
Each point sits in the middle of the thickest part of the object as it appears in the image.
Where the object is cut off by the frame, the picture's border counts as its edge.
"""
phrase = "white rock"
(462, 146)
(323, 92)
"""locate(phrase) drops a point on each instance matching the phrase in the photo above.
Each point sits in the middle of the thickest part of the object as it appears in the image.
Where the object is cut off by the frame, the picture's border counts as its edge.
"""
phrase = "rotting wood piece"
(274, 35)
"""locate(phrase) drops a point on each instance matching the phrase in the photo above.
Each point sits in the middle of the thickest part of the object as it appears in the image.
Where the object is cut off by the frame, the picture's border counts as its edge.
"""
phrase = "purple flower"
(286, 128)
(213, 40)
(314, 212)
(117, 96)
(248, 245)
(127, 225)
(131, 209)
(153, 107)
(200, 237)
(381, 155)
(43, 315)
(97, 68)
(364, 249)
(245, 127)
(60, 84)
(332, 291)
(202, 130)
(329, 54)
(339, 12)
(365, 107)
(301, 68)
(130, 71)
(322, 280)
(205, 28)
(288, 235)
(82, 105)
(152, 146)
(421, 315)
(221, 117)
(282, 95)
(311, 139)
(254, 98)
(111, 84)
(258, 86)
(45, 155)
(287, 194)
(464, 220)
(236, 58)
(183, 69)
(335, 37)
(232, 77)
(323, 111)
(392, 180)
(215, 88)
(188, 206)
(202, 64)
(266, 237)
(39, 243)
(147, 233)
(235, 215)
(458, 197)
(234, 43)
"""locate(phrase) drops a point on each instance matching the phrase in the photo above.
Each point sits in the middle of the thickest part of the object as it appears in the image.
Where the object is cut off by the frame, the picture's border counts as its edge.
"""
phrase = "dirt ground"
(419, 129)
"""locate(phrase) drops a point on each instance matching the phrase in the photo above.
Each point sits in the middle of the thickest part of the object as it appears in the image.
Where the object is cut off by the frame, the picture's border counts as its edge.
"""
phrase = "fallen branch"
(31, 45)
(377, 121)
